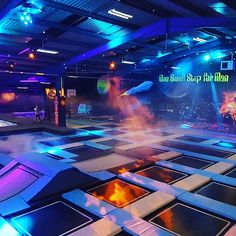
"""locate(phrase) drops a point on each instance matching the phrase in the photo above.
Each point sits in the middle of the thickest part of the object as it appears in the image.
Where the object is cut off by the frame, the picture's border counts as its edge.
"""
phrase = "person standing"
(37, 113)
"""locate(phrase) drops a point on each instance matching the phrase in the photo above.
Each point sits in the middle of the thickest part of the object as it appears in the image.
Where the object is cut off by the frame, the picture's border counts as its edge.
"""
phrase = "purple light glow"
(23, 51)
(28, 81)
(14, 182)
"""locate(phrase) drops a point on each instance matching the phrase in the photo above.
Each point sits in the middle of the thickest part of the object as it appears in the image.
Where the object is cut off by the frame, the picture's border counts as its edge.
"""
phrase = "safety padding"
(192, 182)
(97, 145)
(120, 217)
(168, 155)
(233, 157)
(219, 167)
(185, 169)
(89, 202)
(39, 176)
(208, 204)
(101, 227)
(102, 175)
(225, 180)
(194, 154)
(103, 162)
(151, 184)
(61, 153)
(231, 232)
(5, 159)
(127, 147)
(6, 229)
(148, 204)
(12, 205)
(143, 228)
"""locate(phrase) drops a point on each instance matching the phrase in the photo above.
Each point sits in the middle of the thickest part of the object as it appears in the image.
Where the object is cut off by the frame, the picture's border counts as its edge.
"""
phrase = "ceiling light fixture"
(127, 62)
(47, 51)
(22, 88)
(26, 17)
(120, 14)
(43, 82)
(200, 40)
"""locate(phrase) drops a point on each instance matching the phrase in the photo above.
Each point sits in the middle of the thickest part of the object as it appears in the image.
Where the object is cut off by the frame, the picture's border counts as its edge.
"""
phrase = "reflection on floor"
(103, 181)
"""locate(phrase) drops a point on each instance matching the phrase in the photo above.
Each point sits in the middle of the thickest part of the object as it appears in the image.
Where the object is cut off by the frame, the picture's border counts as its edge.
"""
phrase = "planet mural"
(103, 85)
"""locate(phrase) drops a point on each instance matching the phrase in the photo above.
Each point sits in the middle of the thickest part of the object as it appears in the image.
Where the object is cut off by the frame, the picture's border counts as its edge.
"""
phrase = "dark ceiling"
(88, 38)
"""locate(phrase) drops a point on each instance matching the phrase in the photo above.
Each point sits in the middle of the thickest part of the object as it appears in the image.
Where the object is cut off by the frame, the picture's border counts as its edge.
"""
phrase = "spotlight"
(26, 17)
(31, 56)
(10, 65)
(112, 65)
(207, 57)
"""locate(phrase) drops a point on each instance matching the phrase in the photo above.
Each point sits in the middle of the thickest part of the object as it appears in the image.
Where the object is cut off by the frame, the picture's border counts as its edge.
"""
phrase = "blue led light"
(207, 57)
(145, 60)
(225, 144)
(97, 132)
(185, 126)
(7, 229)
(26, 18)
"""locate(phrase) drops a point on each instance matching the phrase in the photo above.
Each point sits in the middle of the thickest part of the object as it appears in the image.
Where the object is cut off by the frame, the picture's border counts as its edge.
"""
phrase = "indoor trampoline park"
(117, 118)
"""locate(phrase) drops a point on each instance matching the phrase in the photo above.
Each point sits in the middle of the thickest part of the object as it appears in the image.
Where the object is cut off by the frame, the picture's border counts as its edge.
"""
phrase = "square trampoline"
(111, 125)
(131, 166)
(183, 220)
(86, 152)
(143, 152)
(161, 133)
(193, 162)
(91, 128)
(132, 128)
(162, 174)
(54, 219)
(196, 149)
(232, 173)
(219, 192)
(118, 192)
(191, 139)
(67, 140)
(114, 143)
(114, 132)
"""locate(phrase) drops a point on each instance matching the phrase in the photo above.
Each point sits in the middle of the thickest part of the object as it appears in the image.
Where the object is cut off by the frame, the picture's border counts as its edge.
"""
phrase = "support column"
(60, 103)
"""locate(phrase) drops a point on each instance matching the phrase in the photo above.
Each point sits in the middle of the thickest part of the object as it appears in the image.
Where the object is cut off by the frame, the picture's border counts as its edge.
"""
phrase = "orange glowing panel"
(123, 170)
(167, 217)
(162, 174)
(229, 105)
(7, 97)
(118, 193)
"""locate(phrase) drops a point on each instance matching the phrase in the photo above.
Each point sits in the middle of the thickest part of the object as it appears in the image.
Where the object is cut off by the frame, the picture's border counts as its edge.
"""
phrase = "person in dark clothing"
(37, 113)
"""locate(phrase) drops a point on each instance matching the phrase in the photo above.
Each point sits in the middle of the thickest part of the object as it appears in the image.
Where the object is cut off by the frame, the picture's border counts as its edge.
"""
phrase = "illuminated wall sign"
(189, 77)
